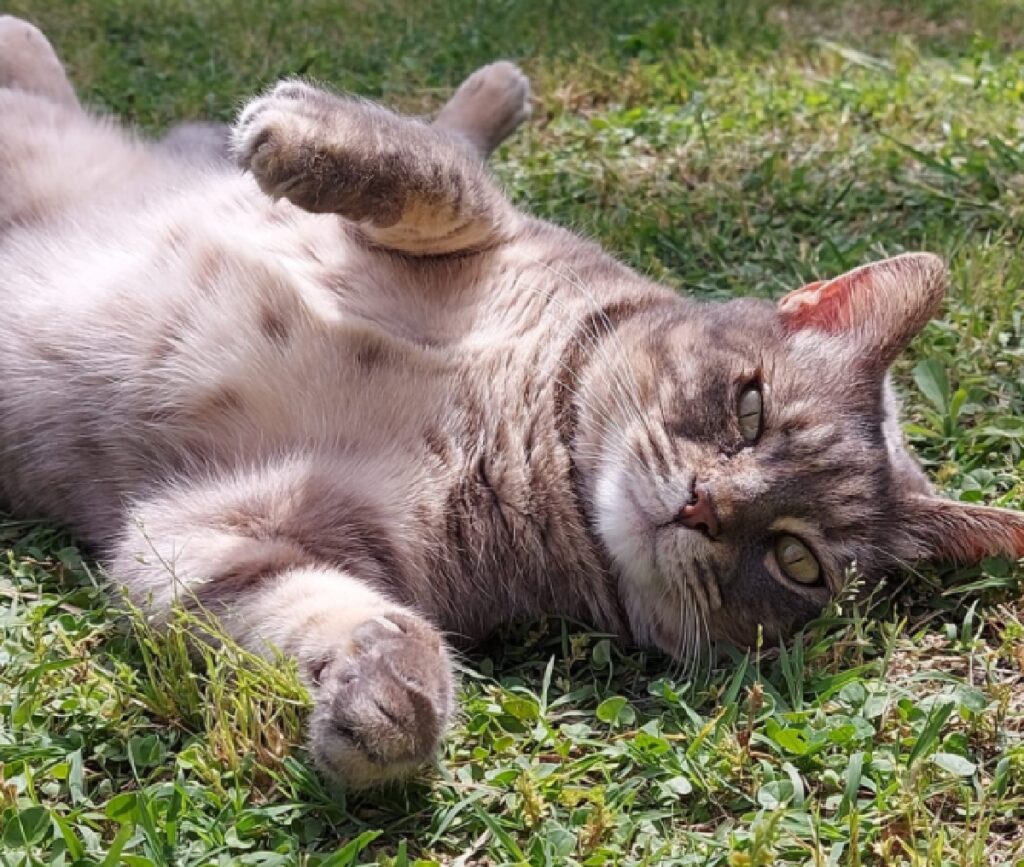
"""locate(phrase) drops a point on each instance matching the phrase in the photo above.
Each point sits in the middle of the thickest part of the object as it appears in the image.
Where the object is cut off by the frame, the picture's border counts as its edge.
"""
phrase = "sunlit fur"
(818, 471)
(347, 398)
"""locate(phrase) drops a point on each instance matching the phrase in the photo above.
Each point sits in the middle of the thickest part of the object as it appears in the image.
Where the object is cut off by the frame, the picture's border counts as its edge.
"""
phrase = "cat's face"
(752, 479)
(755, 459)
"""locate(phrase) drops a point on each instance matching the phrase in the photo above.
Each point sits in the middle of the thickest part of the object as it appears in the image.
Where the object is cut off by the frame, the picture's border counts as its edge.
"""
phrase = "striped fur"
(380, 404)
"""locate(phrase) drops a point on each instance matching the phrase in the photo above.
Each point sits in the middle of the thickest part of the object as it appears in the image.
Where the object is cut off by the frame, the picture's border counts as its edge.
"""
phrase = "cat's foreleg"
(482, 113)
(487, 107)
(408, 186)
(29, 63)
(380, 675)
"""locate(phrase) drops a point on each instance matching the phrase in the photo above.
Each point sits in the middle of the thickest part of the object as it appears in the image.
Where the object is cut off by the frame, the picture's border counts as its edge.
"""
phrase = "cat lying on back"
(348, 397)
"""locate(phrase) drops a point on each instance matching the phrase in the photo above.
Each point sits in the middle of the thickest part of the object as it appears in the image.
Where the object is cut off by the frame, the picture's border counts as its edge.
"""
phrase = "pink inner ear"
(876, 308)
(825, 305)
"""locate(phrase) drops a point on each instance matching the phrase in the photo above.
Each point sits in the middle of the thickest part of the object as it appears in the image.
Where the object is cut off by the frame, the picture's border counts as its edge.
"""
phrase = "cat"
(345, 396)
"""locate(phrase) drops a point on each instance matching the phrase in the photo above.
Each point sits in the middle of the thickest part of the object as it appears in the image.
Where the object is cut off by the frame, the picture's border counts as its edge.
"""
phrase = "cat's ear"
(880, 306)
(941, 530)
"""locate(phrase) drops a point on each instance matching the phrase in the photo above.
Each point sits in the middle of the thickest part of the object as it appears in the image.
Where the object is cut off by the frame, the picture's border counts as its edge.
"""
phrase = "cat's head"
(748, 454)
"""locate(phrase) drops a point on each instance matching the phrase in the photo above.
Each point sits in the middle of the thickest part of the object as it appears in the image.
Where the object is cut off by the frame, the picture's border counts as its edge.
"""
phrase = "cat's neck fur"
(515, 534)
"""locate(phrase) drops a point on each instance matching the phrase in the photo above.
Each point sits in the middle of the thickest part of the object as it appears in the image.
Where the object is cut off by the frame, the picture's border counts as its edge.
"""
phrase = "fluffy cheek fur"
(622, 527)
(659, 564)
(630, 540)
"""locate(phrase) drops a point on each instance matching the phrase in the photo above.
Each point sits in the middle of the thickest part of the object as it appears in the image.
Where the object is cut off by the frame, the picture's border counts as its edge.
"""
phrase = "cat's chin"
(647, 554)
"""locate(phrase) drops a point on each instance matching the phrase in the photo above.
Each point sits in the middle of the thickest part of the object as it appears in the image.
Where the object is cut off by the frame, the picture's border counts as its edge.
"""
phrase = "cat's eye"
(796, 560)
(750, 413)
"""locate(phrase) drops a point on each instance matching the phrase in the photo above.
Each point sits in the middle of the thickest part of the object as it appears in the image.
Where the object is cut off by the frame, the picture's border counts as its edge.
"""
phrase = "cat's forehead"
(826, 454)
(746, 336)
(737, 325)
(831, 471)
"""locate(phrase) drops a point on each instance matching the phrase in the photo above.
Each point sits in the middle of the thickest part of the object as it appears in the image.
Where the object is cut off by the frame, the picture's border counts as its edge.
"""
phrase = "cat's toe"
(291, 105)
(280, 137)
(268, 140)
(298, 90)
(382, 709)
(503, 89)
(16, 31)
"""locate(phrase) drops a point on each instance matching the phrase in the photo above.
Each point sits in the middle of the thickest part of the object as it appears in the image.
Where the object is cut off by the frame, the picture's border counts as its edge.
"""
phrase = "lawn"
(726, 148)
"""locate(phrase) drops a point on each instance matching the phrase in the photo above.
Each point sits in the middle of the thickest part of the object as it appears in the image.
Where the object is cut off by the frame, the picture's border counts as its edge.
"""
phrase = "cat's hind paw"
(28, 62)
(382, 709)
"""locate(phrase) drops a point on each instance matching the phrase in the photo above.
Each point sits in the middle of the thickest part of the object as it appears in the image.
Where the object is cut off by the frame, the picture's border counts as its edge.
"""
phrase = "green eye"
(797, 561)
(750, 412)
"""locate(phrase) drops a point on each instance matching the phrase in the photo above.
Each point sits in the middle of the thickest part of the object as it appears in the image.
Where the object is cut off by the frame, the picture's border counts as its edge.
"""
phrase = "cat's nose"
(700, 514)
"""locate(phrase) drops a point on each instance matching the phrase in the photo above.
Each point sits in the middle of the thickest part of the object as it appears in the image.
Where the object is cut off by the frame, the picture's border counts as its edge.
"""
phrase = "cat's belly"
(197, 340)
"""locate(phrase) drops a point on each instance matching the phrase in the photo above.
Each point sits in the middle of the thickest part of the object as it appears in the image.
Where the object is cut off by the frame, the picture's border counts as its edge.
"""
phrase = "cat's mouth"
(646, 539)
(666, 564)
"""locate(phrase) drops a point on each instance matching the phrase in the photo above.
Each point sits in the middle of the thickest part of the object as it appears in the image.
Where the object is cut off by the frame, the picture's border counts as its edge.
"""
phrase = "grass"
(731, 147)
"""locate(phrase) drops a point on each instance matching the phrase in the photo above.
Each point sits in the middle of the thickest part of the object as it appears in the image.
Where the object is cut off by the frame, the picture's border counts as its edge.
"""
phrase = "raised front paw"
(275, 135)
(324, 153)
(382, 707)
(488, 105)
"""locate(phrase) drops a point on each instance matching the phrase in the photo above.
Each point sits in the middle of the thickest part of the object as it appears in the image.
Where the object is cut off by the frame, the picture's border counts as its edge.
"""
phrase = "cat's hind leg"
(409, 186)
(29, 63)
(52, 154)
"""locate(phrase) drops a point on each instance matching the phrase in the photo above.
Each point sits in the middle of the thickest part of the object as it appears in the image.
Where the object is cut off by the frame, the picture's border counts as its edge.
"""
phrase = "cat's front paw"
(325, 153)
(288, 96)
(488, 105)
(383, 707)
(276, 137)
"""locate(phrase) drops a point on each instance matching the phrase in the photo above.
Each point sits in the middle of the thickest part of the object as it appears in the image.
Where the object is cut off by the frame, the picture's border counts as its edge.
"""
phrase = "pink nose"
(700, 514)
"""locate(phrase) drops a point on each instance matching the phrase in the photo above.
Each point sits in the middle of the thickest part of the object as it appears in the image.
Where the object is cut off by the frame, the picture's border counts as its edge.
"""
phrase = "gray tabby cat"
(348, 397)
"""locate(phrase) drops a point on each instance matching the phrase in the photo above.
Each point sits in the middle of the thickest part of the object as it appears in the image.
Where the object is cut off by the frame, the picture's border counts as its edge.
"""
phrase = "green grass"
(729, 147)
